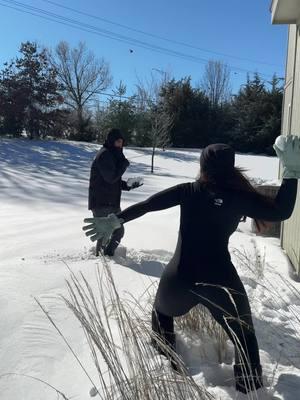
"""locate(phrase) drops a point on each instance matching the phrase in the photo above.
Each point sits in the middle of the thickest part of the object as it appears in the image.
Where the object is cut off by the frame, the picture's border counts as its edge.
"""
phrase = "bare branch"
(81, 74)
(216, 82)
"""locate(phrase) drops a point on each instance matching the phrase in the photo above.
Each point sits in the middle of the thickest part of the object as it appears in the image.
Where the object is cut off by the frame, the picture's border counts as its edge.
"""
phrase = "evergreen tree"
(29, 91)
(248, 114)
(257, 115)
(141, 135)
(221, 123)
(272, 115)
(12, 103)
(189, 109)
(120, 113)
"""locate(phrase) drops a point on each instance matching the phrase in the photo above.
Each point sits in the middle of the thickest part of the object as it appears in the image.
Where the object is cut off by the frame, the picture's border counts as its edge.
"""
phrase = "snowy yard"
(43, 200)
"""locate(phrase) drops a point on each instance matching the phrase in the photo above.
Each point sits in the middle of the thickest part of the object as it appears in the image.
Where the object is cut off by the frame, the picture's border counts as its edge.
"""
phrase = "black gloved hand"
(136, 185)
(133, 183)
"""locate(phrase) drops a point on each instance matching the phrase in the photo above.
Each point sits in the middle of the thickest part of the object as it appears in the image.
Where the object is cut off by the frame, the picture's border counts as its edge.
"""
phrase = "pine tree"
(257, 114)
(120, 113)
(189, 109)
(29, 91)
(12, 103)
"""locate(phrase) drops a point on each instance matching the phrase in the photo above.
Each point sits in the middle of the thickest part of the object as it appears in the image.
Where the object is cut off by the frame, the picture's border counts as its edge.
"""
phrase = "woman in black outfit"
(201, 270)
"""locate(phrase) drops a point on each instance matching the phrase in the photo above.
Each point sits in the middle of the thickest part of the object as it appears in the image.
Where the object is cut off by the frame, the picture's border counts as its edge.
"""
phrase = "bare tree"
(147, 100)
(161, 124)
(148, 90)
(216, 82)
(82, 75)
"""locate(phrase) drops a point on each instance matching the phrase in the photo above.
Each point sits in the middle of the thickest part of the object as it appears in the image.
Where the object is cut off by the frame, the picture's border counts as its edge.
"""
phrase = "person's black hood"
(217, 160)
(113, 135)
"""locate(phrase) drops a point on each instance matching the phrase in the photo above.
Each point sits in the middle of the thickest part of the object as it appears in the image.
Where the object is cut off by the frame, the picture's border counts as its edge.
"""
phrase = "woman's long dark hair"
(236, 181)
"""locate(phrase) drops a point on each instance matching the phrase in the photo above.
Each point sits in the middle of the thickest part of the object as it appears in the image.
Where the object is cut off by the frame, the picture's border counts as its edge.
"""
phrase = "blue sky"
(237, 32)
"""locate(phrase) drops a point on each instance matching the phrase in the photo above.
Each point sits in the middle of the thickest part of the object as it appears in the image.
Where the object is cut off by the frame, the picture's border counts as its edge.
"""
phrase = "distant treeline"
(57, 94)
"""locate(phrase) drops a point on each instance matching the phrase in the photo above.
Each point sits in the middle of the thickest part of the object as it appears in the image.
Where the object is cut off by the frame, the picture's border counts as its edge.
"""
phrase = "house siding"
(290, 238)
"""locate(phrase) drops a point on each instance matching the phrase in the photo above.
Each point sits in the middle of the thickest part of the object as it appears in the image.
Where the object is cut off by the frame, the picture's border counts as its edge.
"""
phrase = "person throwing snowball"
(201, 271)
(106, 185)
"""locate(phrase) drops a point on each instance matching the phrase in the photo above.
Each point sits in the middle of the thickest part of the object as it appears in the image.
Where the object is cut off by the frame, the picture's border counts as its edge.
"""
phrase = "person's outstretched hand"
(134, 183)
(102, 227)
(287, 149)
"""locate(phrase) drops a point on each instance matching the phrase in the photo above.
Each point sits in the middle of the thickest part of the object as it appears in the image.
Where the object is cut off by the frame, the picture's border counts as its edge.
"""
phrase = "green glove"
(287, 149)
(102, 228)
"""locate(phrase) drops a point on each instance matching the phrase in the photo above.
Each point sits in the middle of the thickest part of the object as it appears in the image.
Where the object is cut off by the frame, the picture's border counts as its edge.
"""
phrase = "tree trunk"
(152, 159)
(80, 124)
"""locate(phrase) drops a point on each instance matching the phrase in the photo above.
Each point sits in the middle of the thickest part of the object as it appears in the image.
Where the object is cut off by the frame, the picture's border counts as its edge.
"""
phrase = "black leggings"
(231, 309)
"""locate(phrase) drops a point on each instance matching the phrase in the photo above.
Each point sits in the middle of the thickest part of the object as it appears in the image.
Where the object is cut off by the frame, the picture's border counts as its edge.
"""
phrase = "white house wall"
(291, 52)
(291, 125)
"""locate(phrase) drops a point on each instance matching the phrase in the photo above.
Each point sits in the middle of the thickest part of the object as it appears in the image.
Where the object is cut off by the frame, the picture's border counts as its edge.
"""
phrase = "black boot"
(108, 252)
(164, 343)
(166, 346)
(164, 337)
(111, 248)
(98, 248)
(247, 381)
(164, 340)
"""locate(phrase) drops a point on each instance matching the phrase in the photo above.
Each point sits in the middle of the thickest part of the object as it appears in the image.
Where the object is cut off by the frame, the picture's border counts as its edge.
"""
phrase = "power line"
(76, 24)
(35, 11)
(96, 30)
(102, 32)
(157, 36)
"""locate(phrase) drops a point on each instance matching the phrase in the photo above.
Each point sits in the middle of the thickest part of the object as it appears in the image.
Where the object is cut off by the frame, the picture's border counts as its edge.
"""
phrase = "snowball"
(131, 181)
(280, 142)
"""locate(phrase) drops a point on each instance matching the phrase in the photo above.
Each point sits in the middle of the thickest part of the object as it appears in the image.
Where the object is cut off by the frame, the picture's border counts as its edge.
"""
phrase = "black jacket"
(208, 218)
(105, 179)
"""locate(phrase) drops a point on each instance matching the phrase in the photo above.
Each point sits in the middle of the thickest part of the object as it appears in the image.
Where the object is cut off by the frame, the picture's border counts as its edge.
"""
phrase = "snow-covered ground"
(43, 200)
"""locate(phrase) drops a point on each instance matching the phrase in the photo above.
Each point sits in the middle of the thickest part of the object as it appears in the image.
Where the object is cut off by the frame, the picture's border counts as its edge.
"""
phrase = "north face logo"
(218, 202)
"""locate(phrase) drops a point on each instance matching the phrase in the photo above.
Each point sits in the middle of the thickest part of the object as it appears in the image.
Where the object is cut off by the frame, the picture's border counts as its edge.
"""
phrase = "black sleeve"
(256, 206)
(167, 198)
(125, 186)
(109, 169)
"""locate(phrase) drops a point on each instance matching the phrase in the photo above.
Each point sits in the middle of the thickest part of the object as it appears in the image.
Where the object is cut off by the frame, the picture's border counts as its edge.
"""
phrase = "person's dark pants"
(232, 312)
(163, 327)
(164, 339)
(110, 248)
